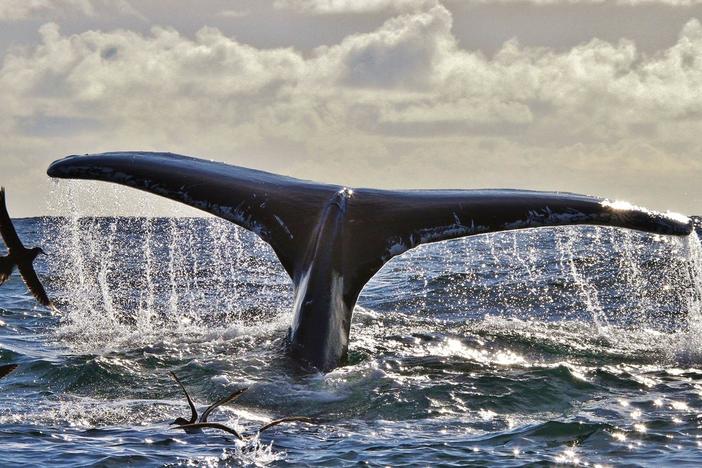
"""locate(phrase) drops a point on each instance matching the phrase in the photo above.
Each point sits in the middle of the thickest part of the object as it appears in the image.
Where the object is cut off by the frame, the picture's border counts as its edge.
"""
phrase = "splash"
(132, 280)
(585, 289)
(622, 290)
(688, 346)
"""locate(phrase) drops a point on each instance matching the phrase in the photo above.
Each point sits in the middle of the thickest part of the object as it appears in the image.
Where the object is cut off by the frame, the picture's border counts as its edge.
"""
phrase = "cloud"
(234, 13)
(15, 10)
(325, 7)
(403, 105)
(402, 53)
(591, 2)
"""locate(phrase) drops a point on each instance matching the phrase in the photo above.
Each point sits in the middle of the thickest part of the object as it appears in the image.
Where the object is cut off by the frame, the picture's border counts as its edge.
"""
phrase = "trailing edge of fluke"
(331, 239)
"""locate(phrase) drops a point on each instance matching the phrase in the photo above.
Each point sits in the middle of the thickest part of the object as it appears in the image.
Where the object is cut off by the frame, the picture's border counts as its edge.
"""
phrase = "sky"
(602, 97)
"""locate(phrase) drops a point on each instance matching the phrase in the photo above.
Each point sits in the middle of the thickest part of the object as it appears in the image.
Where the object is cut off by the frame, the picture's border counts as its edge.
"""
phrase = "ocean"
(576, 346)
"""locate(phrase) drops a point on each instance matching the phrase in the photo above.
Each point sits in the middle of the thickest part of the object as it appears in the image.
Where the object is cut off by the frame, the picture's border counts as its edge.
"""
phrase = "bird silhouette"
(19, 256)
(195, 425)
(182, 422)
(235, 433)
(6, 369)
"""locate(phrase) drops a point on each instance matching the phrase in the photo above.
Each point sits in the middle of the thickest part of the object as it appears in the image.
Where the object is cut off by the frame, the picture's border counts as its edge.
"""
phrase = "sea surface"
(572, 346)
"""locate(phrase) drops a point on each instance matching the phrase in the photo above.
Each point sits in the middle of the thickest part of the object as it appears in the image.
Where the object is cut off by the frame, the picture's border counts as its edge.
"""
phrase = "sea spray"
(151, 275)
(137, 279)
(586, 290)
(688, 346)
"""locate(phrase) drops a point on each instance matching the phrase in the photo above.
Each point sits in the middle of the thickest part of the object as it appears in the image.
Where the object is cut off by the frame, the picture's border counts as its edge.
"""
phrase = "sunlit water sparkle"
(578, 346)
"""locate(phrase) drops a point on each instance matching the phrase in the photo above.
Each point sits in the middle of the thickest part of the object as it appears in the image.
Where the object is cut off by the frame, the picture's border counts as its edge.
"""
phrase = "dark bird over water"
(18, 255)
(195, 425)
(182, 422)
(222, 427)
(6, 369)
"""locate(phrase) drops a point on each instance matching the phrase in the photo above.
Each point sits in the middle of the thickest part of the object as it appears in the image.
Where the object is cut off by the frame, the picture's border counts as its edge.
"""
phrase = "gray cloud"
(402, 105)
(402, 53)
(353, 6)
(328, 7)
(14, 10)
(231, 13)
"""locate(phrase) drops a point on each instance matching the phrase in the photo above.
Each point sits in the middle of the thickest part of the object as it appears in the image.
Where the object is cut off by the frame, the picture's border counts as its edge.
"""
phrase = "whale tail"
(363, 227)
(380, 224)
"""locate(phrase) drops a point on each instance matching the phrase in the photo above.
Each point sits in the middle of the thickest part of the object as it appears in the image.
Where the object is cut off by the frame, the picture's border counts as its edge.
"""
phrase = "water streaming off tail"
(144, 274)
(606, 276)
(122, 275)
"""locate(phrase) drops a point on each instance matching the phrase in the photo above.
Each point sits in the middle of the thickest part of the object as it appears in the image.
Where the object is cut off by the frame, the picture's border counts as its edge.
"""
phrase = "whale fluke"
(276, 208)
(19, 256)
(331, 239)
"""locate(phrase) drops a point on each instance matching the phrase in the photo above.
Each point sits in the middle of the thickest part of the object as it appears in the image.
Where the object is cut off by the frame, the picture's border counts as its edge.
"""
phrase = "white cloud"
(234, 13)
(404, 52)
(402, 105)
(14, 10)
(324, 7)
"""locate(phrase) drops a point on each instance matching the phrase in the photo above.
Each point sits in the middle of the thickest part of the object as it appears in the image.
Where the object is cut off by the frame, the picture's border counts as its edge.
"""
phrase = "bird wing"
(193, 411)
(288, 419)
(210, 425)
(33, 284)
(231, 397)
(6, 369)
(7, 229)
(6, 267)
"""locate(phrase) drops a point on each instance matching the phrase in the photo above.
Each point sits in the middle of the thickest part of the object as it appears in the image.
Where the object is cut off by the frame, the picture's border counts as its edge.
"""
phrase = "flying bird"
(19, 256)
(182, 422)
